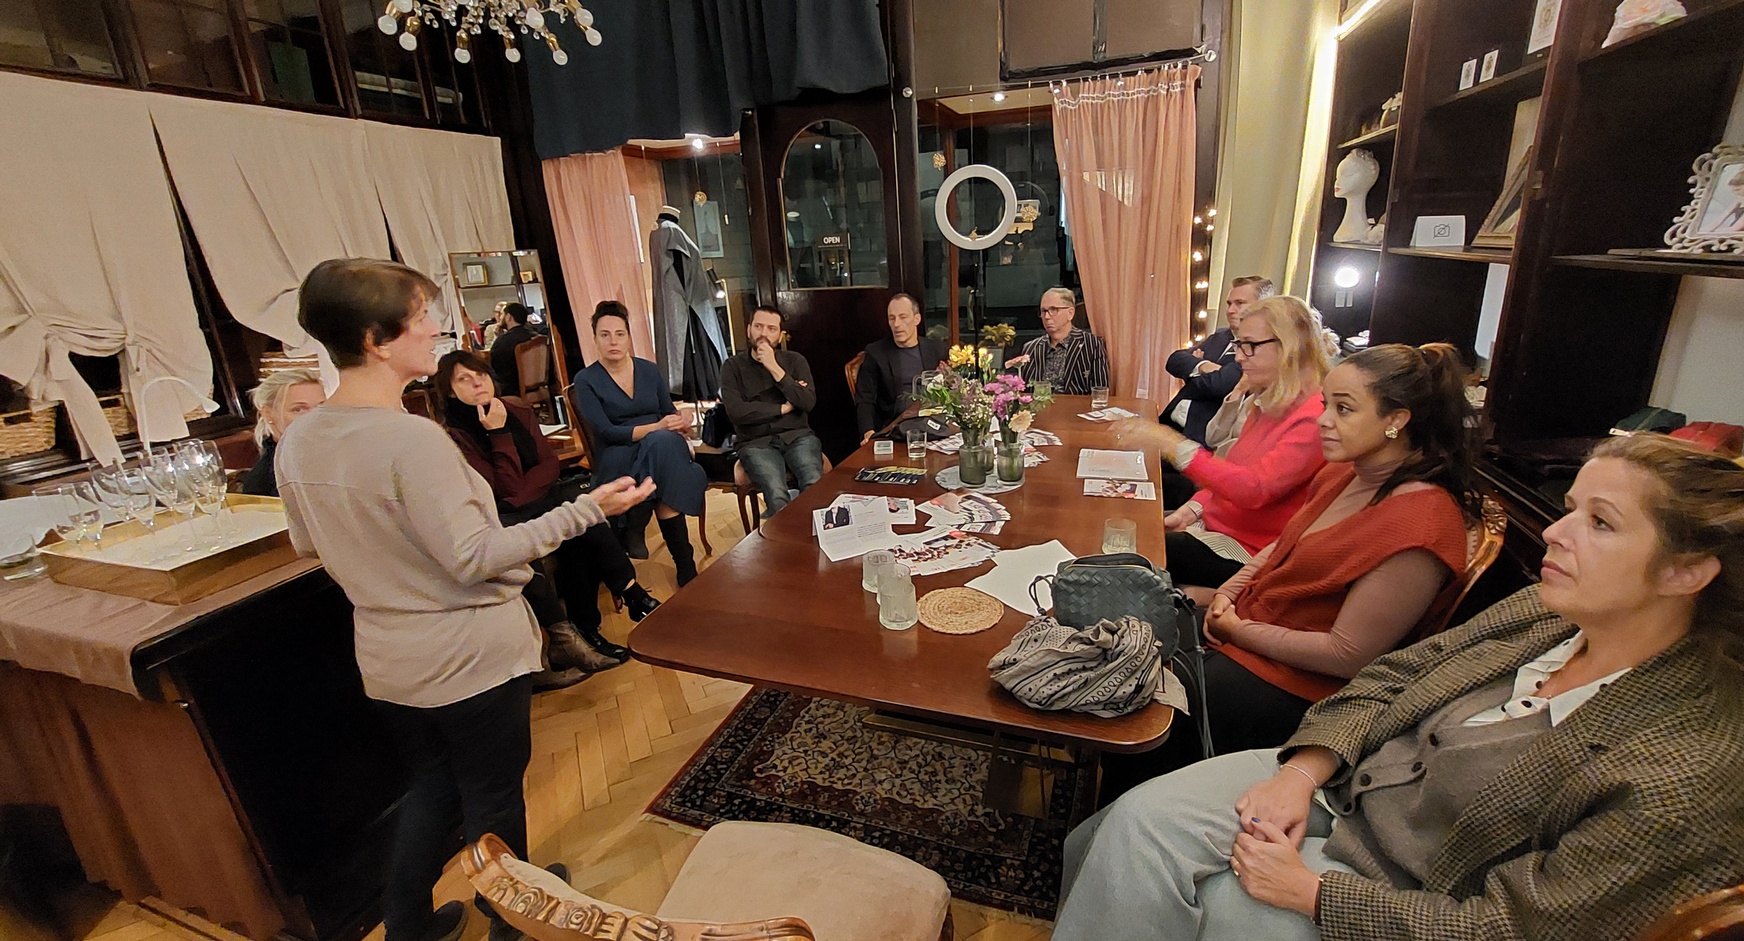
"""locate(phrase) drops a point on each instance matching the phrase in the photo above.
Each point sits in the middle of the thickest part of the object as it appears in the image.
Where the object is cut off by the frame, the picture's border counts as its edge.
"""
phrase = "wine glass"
(211, 485)
(141, 503)
(172, 483)
(88, 510)
(106, 481)
(60, 501)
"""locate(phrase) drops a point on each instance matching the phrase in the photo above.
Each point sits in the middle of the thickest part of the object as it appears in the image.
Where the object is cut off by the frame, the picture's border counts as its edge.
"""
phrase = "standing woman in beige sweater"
(444, 639)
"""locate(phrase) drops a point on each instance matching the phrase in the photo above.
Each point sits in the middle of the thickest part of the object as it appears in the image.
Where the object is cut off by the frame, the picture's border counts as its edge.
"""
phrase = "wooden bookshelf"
(1613, 137)
(1378, 136)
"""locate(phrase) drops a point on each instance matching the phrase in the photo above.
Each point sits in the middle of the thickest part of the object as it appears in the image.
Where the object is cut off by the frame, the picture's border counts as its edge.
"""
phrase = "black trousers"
(584, 563)
(1177, 489)
(1246, 712)
(1192, 562)
(466, 760)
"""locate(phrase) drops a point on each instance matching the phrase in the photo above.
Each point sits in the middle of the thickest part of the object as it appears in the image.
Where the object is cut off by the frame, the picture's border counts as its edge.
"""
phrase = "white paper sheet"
(899, 509)
(1130, 489)
(852, 530)
(1015, 569)
(1112, 465)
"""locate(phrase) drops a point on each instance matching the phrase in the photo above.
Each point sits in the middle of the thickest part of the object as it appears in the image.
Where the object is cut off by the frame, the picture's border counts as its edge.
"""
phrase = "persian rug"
(786, 758)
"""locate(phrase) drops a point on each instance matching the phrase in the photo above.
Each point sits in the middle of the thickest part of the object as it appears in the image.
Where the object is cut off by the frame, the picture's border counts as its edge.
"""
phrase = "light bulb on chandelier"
(470, 17)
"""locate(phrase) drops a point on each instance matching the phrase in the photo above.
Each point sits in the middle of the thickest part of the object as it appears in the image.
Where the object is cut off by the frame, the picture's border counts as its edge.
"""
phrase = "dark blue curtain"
(668, 68)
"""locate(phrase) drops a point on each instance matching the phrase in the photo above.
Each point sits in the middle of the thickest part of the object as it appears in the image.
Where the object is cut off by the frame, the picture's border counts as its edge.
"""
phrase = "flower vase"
(1008, 461)
(975, 458)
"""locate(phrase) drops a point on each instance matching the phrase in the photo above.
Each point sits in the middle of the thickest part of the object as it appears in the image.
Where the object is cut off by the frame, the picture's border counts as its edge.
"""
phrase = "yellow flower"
(962, 355)
(1020, 422)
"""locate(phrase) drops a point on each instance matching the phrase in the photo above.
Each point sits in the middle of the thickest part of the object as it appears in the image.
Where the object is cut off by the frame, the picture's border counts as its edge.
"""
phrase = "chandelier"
(468, 18)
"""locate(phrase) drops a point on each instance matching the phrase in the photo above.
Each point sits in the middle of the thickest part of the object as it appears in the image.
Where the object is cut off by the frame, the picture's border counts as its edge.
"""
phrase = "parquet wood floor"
(601, 751)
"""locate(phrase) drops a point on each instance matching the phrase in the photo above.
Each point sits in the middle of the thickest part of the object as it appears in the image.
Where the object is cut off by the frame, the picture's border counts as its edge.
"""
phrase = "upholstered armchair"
(742, 882)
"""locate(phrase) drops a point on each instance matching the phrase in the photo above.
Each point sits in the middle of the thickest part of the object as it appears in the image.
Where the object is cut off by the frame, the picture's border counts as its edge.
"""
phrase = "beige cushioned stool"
(844, 889)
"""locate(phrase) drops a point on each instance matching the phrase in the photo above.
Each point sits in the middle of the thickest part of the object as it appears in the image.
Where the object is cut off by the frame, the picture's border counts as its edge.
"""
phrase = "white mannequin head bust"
(1356, 175)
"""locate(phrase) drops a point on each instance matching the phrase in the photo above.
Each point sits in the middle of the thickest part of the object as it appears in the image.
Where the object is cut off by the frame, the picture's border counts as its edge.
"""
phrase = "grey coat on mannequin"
(681, 290)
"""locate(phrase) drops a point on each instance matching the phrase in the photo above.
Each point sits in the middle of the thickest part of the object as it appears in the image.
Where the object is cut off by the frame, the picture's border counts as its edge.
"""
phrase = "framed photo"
(1714, 219)
(1504, 218)
(1544, 17)
(475, 273)
(526, 277)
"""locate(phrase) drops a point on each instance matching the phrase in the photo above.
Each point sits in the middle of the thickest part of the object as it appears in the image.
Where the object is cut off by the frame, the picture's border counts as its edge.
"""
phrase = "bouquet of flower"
(1015, 403)
(963, 399)
(998, 335)
(970, 361)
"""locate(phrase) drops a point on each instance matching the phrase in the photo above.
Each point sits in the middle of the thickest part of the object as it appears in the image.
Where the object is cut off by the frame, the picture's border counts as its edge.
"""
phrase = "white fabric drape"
(270, 194)
(91, 259)
(443, 192)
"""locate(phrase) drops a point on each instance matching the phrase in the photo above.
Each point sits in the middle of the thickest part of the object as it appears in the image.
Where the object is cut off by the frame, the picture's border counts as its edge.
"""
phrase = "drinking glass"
(897, 609)
(211, 484)
(63, 511)
(1041, 387)
(106, 481)
(1119, 535)
(873, 565)
(172, 482)
(917, 445)
(88, 510)
(1099, 397)
(18, 558)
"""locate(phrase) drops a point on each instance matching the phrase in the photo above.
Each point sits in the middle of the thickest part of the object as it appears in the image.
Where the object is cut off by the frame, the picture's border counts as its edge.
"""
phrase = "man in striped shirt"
(1071, 359)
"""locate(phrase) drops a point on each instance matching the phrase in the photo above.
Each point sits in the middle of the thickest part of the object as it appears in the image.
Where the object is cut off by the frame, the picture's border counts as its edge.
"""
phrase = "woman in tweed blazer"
(1517, 777)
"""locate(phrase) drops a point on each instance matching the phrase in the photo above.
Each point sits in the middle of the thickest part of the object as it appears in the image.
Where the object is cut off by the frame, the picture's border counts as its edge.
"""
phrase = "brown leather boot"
(569, 649)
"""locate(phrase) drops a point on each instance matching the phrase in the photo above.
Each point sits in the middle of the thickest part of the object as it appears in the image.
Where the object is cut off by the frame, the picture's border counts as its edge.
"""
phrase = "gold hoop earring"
(1392, 432)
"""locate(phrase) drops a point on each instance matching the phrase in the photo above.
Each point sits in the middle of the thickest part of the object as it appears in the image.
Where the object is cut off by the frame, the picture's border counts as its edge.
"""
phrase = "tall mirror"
(833, 192)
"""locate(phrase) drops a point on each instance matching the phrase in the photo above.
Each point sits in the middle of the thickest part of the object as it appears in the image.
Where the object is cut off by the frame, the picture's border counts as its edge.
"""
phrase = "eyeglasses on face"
(1057, 310)
(1250, 347)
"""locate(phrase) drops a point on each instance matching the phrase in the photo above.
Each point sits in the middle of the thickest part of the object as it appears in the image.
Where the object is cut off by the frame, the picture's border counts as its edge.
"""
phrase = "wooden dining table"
(774, 611)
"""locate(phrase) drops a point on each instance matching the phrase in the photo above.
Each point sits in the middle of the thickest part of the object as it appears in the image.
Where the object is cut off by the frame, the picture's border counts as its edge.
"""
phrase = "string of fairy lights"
(1204, 224)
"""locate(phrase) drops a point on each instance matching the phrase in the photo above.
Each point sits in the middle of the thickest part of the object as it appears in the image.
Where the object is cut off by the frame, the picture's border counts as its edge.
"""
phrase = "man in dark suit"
(512, 332)
(887, 374)
(1209, 370)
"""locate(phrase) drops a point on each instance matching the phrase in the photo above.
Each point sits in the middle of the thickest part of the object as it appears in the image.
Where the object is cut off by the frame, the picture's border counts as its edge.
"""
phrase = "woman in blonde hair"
(1247, 496)
(281, 398)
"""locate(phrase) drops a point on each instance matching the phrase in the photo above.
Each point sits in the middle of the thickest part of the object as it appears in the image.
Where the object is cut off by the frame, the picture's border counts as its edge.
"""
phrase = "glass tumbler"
(917, 445)
(1119, 535)
(897, 609)
(1099, 397)
(873, 565)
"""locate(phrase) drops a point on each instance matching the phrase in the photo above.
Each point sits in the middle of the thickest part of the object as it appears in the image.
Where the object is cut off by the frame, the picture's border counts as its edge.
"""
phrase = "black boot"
(676, 530)
(638, 602)
(634, 532)
(596, 640)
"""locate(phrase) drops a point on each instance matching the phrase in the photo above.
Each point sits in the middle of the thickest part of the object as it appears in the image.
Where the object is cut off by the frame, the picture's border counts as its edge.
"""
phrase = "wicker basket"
(121, 418)
(26, 432)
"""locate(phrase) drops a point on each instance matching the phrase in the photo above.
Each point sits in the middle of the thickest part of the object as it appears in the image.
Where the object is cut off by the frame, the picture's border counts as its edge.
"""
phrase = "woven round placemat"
(959, 610)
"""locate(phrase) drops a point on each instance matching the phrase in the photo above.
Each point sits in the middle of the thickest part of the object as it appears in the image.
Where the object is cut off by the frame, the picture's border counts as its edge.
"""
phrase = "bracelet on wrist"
(1303, 773)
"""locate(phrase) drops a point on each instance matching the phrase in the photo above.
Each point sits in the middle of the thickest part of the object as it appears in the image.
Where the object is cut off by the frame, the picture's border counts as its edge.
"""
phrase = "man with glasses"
(1208, 371)
(1070, 359)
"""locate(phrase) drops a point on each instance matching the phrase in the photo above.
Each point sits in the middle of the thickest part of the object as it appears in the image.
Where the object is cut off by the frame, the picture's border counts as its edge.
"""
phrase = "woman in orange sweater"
(1352, 574)
(1247, 496)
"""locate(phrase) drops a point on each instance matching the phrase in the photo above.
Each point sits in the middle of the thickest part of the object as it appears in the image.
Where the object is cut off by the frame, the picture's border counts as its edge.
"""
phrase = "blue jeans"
(767, 466)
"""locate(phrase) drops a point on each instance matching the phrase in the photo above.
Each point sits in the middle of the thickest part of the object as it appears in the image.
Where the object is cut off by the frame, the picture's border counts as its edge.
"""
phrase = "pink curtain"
(599, 243)
(1126, 149)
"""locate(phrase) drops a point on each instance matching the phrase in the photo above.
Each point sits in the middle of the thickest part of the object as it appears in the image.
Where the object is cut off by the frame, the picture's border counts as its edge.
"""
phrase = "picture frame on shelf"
(1544, 19)
(526, 277)
(1500, 225)
(1713, 221)
(475, 274)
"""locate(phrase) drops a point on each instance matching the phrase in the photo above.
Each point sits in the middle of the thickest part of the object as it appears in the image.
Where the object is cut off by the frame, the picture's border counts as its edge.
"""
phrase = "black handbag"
(717, 428)
(1096, 588)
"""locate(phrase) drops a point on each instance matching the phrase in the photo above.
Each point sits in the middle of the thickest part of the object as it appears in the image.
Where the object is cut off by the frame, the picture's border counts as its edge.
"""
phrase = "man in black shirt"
(887, 374)
(768, 394)
(512, 332)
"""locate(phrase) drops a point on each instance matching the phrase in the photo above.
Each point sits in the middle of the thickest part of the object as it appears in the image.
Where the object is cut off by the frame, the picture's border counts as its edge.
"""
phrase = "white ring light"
(1000, 231)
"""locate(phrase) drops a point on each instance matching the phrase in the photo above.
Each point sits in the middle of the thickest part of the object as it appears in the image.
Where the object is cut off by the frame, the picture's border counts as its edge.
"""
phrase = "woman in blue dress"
(637, 430)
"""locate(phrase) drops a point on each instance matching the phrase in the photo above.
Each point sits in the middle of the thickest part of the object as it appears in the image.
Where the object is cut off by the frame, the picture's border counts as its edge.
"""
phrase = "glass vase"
(974, 461)
(1008, 462)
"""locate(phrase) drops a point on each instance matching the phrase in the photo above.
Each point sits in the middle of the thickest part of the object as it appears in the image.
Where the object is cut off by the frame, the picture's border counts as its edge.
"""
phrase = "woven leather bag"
(1110, 668)
(1110, 587)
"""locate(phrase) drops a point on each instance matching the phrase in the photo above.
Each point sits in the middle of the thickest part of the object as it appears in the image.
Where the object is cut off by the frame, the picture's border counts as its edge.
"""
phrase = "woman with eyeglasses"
(1247, 496)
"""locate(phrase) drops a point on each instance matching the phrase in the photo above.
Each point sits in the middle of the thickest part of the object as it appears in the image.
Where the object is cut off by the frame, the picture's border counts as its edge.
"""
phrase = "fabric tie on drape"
(1126, 153)
(270, 194)
(91, 257)
(598, 242)
(443, 193)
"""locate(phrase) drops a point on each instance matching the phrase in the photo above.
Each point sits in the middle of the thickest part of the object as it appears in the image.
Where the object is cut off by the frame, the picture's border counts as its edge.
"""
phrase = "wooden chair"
(1715, 917)
(1483, 545)
(533, 364)
(751, 496)
(852, 370)
(742, 882)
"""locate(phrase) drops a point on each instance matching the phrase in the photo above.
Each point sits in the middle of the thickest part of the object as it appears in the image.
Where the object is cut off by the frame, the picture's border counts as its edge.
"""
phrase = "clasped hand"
(1266, 857)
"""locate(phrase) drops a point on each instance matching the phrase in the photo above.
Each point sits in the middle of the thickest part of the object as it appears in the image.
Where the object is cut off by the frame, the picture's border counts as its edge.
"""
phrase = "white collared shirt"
(1525, 700)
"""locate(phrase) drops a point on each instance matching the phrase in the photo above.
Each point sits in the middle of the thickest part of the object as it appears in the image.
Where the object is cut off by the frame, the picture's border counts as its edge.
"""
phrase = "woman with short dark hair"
(638, 431)
(444, 639)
